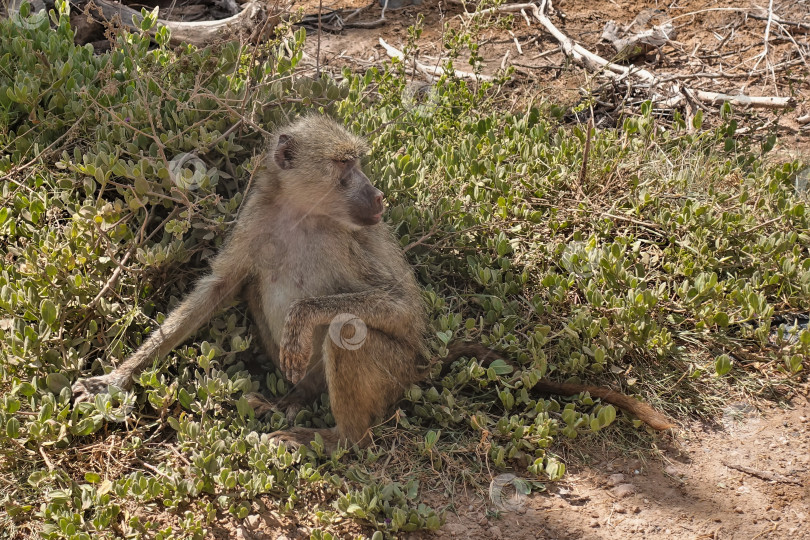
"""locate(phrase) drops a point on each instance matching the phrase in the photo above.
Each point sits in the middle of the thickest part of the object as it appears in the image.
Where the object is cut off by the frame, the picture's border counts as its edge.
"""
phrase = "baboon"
(335, 302)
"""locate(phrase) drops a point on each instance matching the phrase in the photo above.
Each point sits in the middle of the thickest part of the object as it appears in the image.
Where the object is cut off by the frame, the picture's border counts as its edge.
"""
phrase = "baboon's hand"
(296, 342)
(294, 354)
(88, 389)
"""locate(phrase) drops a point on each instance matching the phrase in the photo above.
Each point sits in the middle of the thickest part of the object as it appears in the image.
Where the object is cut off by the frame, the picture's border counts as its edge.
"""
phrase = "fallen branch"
(764, 53)
(765, 102)
(253, 20)
(672, 92)
(435, 71)
(334, 21)
(765, 475)
(578, 53)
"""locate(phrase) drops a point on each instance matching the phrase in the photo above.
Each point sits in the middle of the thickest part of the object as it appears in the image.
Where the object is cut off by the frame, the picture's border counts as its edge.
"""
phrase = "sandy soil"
(707, 482)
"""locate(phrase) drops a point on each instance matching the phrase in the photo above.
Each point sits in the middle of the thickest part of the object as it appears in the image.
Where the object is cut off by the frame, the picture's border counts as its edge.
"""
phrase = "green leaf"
(36, 477)
(721, 319)
(13, 427)
(56, 381)
(84, 427)
(243, 408)
(607, 415)
(48, 311)
(92, 478)
(141, 185)
(430, 438)
(27, 389)
(722, 364)
(697, 121)
(501, 367)
(554, 469)
(795, 363)
(569, 416)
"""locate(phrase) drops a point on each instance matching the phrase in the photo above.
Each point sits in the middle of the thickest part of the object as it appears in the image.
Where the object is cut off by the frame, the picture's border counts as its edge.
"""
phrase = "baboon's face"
(363, 202)
(320, 173)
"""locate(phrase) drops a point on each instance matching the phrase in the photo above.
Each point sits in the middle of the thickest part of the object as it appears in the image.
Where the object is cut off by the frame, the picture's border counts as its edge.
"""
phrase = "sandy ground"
(748, 477)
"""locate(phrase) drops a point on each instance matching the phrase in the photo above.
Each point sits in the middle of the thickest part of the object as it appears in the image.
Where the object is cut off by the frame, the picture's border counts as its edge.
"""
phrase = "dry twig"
(765, 475)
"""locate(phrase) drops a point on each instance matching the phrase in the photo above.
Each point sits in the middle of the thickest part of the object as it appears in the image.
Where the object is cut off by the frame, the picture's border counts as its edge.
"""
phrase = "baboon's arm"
(383, 310)
(209, 294)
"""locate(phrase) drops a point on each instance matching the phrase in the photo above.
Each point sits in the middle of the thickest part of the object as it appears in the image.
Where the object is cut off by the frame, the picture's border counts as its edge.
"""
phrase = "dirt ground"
(747, 476)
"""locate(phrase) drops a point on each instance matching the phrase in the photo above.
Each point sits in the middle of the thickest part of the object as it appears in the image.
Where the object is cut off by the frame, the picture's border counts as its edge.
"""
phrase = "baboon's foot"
(261, 406)
(88, 389)
(299, 436)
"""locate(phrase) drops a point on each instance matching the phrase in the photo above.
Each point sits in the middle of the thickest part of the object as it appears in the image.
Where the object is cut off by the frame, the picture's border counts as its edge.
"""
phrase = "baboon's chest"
(301, 266)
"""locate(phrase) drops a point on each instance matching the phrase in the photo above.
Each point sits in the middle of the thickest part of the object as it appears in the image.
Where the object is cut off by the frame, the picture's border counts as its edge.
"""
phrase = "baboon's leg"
(392, 311)
(209, 295)
(363, 385)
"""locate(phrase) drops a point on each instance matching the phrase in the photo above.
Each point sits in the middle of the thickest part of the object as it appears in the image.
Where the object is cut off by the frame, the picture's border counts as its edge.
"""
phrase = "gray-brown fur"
(308, 247)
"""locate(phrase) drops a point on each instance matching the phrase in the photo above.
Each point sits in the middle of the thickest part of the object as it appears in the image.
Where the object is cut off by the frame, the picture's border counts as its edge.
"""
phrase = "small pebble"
(624, 490)
(616, 479)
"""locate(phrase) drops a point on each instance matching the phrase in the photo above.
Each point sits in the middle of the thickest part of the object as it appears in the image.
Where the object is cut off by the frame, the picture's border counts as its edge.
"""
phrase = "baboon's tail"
(641, 410)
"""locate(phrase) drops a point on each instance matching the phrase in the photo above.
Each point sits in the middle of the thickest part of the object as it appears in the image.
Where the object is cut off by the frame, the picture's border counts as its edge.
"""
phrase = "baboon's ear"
(284, 152)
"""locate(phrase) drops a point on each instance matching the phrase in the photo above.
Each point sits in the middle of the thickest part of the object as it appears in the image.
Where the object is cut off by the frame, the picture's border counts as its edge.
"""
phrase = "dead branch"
(334, 20)
(435, 71)
(764, 102)
(253, 20)
(764, 53)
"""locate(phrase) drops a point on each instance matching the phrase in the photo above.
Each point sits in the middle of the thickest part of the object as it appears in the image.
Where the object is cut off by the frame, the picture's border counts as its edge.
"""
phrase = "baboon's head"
(318, 163)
